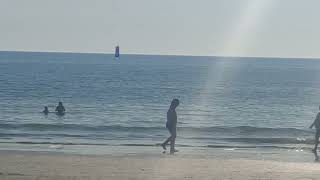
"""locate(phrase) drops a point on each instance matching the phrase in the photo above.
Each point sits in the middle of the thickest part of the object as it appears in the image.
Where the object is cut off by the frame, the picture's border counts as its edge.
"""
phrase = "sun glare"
(237, 39)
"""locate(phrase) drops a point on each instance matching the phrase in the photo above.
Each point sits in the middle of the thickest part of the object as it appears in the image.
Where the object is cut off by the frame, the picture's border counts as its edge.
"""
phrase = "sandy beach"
(58, 166)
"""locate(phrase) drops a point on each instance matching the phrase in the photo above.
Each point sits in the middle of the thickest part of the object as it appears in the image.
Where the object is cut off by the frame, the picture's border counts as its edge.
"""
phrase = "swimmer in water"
(60, 110)
(45, 111)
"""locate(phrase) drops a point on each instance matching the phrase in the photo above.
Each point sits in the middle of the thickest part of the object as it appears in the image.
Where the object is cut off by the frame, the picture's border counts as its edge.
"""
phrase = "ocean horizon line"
(165, 55)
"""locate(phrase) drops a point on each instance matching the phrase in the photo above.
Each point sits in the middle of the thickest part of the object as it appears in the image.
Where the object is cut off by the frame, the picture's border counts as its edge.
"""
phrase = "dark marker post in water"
(316, 124)
(171, 125)
(60, 110)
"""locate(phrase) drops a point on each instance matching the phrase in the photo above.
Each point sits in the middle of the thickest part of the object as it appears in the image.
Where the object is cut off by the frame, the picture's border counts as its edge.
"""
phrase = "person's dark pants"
(171, 139)
(316, 139)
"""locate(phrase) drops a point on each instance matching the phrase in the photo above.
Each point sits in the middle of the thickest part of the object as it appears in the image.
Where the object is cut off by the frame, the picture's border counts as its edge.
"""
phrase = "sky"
(264, 28)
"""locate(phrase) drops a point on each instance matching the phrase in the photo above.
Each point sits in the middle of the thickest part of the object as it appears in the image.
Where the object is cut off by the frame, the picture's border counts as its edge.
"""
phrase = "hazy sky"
(286, 28)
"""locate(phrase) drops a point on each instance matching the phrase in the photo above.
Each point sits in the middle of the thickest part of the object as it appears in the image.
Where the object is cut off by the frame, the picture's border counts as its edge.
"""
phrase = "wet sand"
(17, 165)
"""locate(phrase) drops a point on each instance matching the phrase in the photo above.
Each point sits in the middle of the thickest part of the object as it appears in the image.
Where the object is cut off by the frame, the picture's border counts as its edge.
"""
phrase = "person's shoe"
(176, 150)
(164, 146)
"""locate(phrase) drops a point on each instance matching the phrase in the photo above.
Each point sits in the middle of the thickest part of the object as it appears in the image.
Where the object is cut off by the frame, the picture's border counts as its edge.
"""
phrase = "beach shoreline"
(47, 165)
(294, 154)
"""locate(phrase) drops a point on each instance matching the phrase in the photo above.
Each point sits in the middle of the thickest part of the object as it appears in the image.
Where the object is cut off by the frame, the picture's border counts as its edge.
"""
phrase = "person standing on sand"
(316, 124)
(171, 125)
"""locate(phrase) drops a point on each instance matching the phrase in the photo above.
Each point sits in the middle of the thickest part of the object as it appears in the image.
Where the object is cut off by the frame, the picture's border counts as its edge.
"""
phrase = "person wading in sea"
(46, 110)
(60, 110)
(316, 124)
(171, 125)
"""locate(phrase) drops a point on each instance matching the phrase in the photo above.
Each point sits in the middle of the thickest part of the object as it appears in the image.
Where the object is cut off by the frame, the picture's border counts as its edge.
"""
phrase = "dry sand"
(42, 166)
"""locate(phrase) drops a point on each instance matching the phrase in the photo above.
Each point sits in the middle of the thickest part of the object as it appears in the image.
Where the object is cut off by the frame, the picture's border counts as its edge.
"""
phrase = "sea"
(225, 102)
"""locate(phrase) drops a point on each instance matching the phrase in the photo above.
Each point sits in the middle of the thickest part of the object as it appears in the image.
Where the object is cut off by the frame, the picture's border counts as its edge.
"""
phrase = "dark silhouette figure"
(316, 124)
(60, 110)
(45, 111)
(171, 125)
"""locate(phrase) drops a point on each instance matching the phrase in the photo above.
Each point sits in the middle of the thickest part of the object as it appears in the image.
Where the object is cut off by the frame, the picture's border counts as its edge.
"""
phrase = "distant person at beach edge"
(60, 110)
(171, 125)
(46, 110)
(316, 124)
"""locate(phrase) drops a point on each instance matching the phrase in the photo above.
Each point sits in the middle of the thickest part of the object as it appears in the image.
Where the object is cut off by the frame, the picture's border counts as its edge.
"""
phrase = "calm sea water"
(225, 102)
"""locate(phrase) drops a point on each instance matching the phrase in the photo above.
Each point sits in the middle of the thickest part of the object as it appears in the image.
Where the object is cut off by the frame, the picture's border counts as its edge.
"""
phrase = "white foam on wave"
(56, 146)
